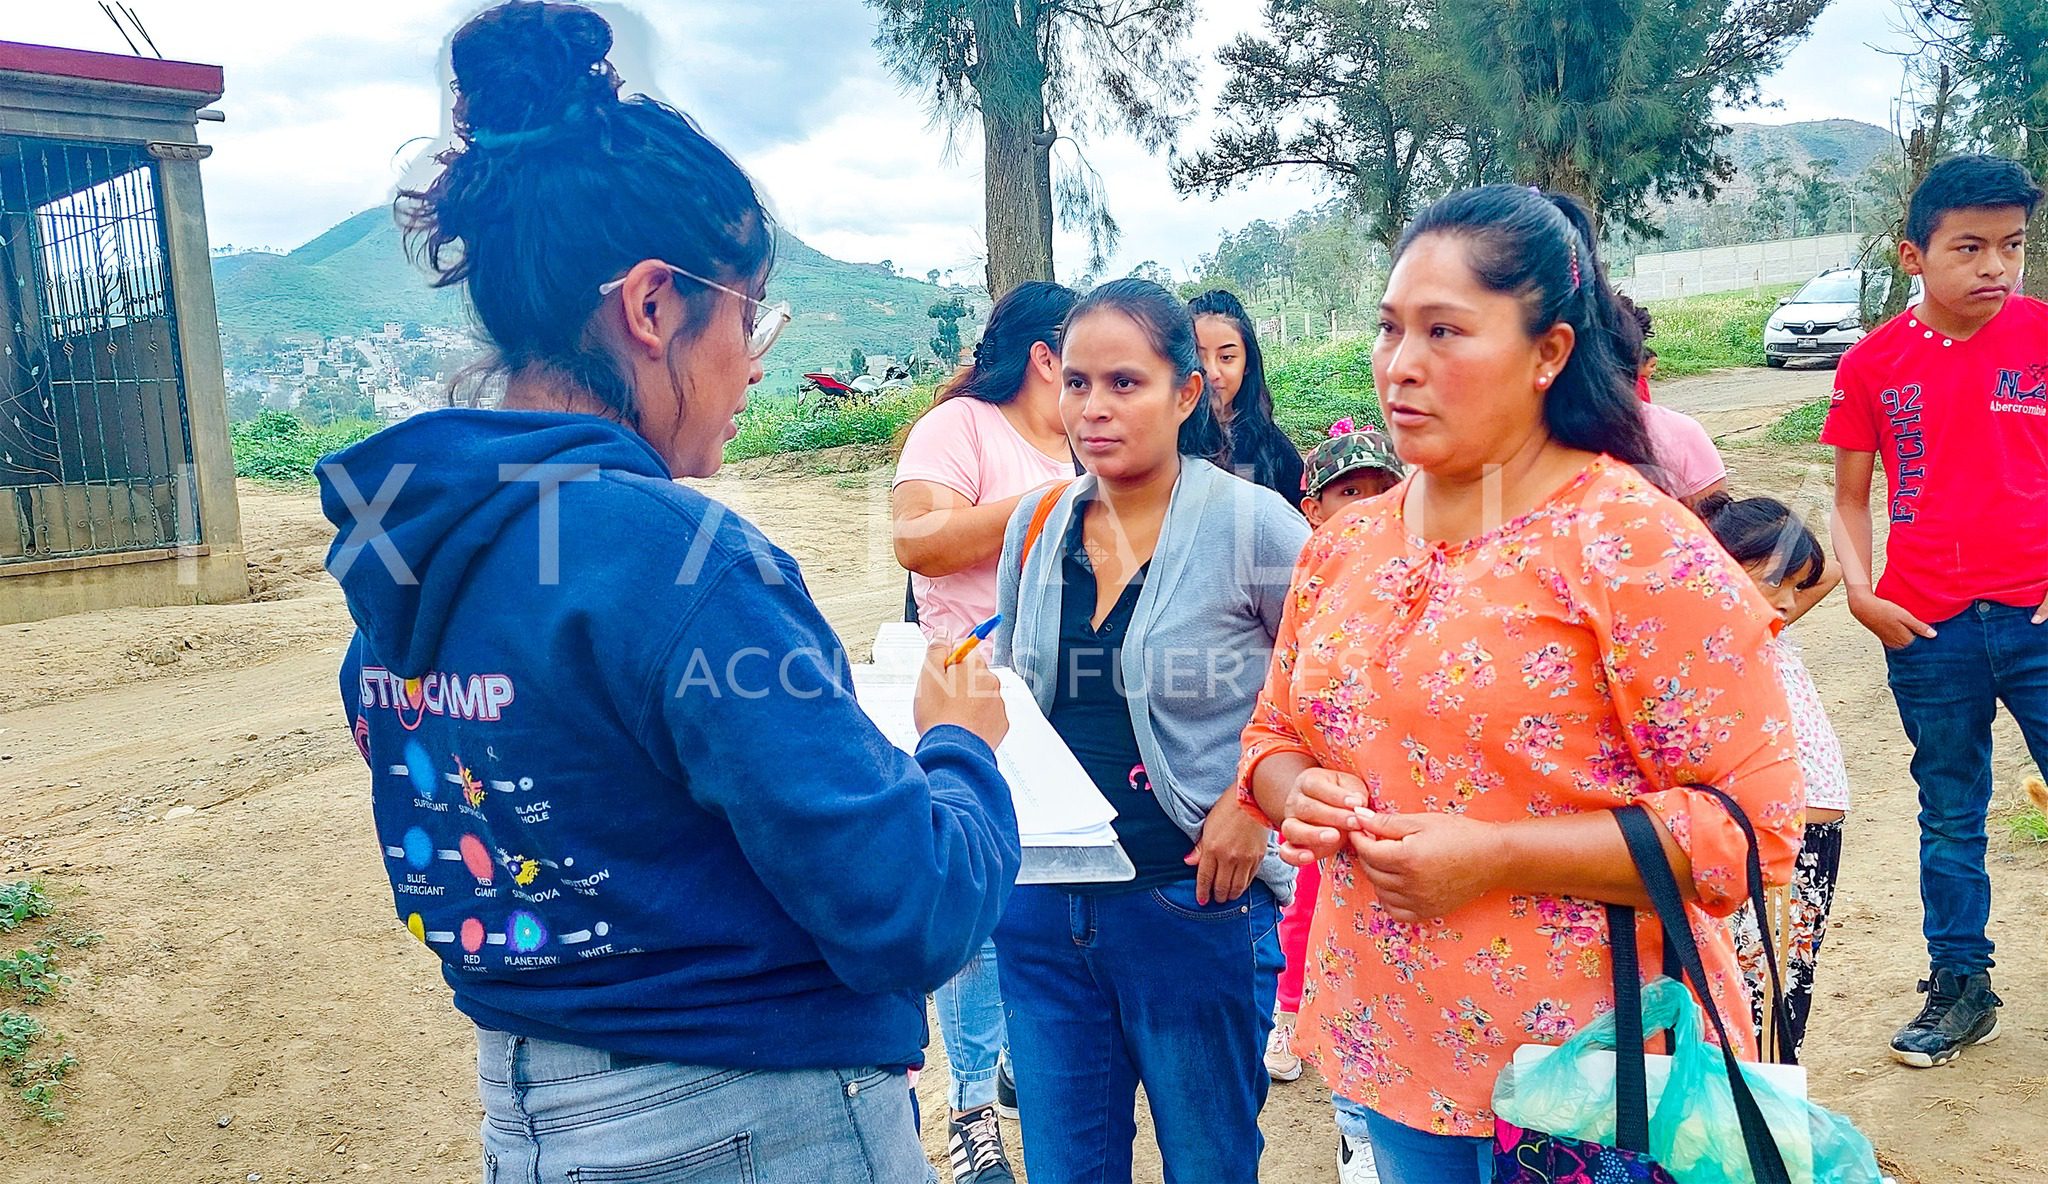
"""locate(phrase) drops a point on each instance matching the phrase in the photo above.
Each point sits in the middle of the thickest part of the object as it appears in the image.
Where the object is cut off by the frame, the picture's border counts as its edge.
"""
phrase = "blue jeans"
(970, 1008)
(1405, 1155)
(1948, 688)
(1105, 993)
(564, 1114)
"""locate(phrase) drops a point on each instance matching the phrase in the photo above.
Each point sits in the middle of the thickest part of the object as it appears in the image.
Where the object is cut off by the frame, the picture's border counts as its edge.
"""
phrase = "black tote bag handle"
(1780, 1019)
(1631, 1093)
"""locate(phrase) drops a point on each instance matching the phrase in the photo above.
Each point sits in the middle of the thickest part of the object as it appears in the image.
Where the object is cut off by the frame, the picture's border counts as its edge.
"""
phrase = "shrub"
(22, 900)
(279, 446)
(1316, 384)
(776, 425)
(32, 974)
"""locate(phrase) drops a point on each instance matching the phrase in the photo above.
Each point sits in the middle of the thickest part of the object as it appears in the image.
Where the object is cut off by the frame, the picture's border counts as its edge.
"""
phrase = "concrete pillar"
(182, 206)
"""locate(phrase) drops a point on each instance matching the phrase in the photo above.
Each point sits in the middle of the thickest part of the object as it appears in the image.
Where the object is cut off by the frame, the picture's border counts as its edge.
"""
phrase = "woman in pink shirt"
(994, 435)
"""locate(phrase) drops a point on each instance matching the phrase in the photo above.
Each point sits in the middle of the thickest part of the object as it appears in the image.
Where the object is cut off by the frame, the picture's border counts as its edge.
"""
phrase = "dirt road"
(252, 970)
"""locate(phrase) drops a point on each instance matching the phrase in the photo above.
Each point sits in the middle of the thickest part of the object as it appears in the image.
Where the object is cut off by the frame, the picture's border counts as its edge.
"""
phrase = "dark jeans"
(1948, 689)
(1104, 993)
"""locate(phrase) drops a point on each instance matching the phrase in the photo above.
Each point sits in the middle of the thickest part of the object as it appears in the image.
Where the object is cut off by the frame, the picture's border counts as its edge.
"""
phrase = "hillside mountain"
(1851, 143)
(353, 278)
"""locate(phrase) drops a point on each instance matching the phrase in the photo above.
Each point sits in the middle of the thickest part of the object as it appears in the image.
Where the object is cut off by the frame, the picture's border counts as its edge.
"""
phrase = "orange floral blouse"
(1601, 649)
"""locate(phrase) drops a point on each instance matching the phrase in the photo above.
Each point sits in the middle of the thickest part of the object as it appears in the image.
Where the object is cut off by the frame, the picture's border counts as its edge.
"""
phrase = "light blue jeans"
(564, 1114)
(970, 1008)
(1405, 1155)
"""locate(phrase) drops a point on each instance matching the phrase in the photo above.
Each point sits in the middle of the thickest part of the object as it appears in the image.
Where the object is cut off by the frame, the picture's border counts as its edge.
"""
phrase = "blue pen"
(975, 637)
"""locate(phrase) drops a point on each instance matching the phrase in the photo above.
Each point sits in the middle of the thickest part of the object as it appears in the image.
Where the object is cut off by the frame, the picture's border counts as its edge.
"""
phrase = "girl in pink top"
(994, 436)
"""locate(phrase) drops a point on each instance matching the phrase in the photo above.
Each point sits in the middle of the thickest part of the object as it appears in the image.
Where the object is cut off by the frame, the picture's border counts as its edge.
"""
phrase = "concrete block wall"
(1665, 275)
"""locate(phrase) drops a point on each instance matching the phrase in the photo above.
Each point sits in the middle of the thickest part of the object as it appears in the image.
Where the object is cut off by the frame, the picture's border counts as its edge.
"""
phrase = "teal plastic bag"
(1694, 1131)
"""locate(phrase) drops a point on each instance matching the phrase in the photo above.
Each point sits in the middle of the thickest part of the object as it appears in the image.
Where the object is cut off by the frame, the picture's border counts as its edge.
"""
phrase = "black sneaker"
(1006, 1090)
(976, 1145)
(1960, 1011)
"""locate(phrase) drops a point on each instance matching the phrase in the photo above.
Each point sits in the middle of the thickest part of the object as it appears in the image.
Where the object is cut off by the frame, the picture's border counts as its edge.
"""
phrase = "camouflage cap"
(1364, 448)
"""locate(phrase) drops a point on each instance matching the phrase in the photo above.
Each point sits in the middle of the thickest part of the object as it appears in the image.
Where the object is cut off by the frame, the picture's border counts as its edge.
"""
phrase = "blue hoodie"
(621, 784)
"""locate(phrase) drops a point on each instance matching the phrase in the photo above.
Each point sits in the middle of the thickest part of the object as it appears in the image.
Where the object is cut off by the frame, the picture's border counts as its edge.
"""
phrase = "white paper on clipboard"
(1063, 820)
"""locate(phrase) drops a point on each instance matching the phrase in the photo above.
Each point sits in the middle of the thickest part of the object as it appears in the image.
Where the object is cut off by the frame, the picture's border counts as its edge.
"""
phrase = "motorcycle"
(864, 389)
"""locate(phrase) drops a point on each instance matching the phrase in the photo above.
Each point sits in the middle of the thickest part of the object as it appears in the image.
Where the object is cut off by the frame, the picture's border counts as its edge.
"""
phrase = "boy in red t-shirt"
(1954, 394)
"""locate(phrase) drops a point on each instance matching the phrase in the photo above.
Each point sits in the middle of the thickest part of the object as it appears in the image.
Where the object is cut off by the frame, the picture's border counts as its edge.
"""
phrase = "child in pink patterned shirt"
(1785, 561)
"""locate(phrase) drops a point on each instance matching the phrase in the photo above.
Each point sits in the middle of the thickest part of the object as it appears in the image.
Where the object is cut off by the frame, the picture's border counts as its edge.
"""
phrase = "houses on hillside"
(393, 373)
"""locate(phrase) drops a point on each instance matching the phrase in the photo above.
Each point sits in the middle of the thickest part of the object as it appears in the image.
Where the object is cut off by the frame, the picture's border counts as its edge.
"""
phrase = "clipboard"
(1063, 820)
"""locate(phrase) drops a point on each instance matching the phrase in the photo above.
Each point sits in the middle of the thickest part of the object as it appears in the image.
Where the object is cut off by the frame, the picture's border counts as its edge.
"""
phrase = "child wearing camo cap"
(1353, 464)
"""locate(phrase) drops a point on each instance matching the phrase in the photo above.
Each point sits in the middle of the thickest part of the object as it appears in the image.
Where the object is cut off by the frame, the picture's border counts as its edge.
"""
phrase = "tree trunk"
(1009, 83)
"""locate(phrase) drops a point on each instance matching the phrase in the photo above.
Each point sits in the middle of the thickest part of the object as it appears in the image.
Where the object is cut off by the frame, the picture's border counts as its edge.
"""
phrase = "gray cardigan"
(1200, 638)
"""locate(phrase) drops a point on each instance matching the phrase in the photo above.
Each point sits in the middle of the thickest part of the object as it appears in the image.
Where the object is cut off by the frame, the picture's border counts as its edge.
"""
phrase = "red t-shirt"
(1963, 429)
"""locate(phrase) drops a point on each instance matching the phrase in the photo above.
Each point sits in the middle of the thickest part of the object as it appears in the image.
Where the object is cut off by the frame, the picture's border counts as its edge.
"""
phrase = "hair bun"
(1712, 505)
(528, 65)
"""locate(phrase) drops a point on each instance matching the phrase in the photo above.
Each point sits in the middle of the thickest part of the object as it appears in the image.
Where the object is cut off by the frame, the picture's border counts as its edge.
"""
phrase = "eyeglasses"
(766, 322)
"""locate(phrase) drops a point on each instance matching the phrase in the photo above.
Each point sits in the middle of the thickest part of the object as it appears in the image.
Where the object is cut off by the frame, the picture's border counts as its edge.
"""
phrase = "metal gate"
(95, 446)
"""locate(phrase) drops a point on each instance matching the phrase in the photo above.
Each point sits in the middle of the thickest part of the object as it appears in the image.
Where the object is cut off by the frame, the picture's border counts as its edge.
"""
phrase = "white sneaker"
(1281, 1063)
(1354, 1162)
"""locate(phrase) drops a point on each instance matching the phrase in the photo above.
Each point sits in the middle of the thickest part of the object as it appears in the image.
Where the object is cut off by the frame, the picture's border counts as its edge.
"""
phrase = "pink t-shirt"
(1684, 449)
(967, 446)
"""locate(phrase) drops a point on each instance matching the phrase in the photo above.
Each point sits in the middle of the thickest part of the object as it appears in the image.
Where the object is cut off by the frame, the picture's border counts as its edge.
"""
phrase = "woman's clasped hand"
(1420, 866)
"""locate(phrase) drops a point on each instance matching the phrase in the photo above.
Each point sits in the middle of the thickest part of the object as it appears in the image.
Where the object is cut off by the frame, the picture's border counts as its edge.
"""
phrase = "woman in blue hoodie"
(691, 898)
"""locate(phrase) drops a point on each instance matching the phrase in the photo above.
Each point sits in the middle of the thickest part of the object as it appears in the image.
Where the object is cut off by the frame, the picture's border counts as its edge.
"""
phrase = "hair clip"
(1575, 266)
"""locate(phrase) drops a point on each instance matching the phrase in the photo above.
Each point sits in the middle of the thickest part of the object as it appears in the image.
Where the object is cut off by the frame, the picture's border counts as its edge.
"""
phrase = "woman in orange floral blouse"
(1478, 666)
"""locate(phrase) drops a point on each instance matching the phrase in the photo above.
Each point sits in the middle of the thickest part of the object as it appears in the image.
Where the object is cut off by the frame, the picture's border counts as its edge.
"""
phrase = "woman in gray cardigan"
(1143, 617)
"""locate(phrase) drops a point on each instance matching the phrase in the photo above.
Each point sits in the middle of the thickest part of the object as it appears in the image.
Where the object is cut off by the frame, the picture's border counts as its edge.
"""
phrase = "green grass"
(22, 900)
(775, 424)
(1801, 425)
(2026, 823)
(1695, 334)
(279, 446)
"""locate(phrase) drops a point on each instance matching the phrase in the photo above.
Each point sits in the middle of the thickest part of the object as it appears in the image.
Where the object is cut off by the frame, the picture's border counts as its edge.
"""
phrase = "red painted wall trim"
(190, 77)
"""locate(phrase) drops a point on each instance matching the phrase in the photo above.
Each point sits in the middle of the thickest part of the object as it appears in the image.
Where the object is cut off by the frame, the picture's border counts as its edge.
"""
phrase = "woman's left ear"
(1046, 362)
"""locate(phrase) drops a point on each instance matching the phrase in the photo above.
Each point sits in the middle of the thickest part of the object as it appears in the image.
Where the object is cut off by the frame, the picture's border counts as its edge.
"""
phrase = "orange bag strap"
(1039, 516)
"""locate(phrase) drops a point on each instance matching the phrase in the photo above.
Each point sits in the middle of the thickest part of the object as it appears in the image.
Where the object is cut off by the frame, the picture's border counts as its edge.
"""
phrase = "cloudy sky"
(328, 103)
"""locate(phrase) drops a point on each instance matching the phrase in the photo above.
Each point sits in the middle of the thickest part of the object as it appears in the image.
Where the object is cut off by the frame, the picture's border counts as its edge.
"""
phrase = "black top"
(1091, 713)
(1283, 478)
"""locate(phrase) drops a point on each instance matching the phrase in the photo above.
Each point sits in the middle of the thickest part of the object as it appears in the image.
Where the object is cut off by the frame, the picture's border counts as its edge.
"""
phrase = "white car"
(1824, 318)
